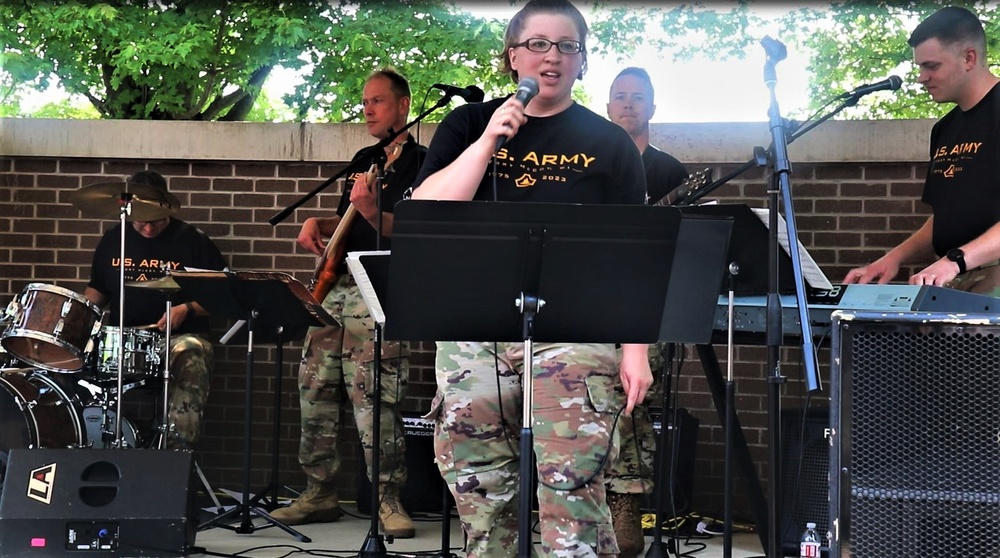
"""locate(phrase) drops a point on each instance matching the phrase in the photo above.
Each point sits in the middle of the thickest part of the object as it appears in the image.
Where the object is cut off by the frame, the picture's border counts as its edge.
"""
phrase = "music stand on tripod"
(261, 298)
(525, 272)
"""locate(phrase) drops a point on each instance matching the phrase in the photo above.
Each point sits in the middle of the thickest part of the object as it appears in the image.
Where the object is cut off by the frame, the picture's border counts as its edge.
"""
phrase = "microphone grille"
(895, 82)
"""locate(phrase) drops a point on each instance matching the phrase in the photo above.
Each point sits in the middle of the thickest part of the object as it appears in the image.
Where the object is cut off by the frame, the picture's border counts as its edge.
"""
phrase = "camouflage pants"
(632, 471)
(982, 280)
(190, 367)
(338, 356)
(478, 418)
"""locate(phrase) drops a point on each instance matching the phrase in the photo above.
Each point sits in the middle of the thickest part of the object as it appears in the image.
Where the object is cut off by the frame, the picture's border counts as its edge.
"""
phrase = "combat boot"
(318, 503)
(393, 518)
(626, 516)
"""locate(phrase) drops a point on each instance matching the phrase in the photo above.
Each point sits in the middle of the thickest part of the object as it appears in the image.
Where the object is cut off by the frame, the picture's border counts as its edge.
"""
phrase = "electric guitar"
(684, 190)
(325, 274)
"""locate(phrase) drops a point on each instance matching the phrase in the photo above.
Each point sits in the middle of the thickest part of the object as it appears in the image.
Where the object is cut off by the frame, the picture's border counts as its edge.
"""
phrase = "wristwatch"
(958, 256)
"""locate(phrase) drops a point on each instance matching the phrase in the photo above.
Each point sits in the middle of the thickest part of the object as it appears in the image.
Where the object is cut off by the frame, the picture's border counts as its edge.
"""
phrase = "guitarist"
(631, 474)
(343, 356)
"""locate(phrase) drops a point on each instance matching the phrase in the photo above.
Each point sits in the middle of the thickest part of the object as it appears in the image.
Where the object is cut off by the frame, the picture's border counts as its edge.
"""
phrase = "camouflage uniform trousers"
(191, 360)
(632, 471)
(478, 418)
(333, 356)
(981, 280)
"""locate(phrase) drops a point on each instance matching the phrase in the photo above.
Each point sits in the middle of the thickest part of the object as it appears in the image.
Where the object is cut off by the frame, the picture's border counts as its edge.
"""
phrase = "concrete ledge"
(833, 141)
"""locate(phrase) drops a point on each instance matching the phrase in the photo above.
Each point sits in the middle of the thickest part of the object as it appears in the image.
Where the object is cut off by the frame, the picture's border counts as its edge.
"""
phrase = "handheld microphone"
(891, 83)
(527, 88)
(471, 94)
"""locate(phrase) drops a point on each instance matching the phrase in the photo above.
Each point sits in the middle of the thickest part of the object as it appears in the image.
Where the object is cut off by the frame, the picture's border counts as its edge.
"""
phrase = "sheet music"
(365, 284)
(811, 273)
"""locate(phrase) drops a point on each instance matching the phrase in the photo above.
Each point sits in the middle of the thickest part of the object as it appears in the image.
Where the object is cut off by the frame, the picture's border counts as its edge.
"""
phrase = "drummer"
(156, 241)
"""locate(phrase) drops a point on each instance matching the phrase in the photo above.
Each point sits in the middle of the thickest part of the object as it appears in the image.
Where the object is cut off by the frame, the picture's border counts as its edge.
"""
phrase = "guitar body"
(326, 275)
(336, 250)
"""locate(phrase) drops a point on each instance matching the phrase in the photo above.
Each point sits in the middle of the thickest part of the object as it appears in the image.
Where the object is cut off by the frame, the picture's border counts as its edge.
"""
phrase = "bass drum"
(99, 421)
(38, 411)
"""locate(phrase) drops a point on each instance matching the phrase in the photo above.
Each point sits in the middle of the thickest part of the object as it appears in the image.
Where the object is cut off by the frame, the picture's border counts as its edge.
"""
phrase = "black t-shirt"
(575, 156)
(180, 245)
(664, 173)
(398, 179)
(963, 179)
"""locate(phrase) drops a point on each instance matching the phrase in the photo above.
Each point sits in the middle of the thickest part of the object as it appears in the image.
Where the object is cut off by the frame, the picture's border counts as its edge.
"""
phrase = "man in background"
(342, 356)
(631, 106)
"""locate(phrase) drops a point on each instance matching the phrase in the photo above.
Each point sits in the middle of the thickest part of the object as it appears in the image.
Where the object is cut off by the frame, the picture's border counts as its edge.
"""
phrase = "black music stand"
(276, 334)
(529, 272)
(688, 317)
(259, 297)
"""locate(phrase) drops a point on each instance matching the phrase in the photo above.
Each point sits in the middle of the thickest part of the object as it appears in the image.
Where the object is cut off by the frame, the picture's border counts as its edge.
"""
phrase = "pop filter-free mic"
(527, 88)
(891, 83)
(471, 94)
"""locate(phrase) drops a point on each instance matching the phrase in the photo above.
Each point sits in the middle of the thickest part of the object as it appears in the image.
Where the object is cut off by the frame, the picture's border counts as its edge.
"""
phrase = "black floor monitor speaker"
(424, 489)
(805, 469)
(96, 502)
(915, 459)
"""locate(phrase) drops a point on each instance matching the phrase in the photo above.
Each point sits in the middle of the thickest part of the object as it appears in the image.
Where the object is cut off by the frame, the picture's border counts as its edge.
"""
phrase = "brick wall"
(848, 212)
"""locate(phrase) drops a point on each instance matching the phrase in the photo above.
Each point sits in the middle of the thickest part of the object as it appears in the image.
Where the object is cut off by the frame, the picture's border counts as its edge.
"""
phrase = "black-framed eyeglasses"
(155, 223)
(539, 44)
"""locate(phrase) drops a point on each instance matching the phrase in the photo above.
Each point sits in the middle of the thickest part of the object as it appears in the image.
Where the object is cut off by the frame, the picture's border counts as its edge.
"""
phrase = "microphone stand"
(780, 171)
(778, 156)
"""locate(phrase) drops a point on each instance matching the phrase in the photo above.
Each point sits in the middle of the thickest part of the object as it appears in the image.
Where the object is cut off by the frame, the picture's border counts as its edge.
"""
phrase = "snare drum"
(51, 328)
(38, 411)
(144, 351)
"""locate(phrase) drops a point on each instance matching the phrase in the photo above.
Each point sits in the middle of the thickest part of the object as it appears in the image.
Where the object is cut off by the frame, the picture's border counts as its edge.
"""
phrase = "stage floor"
(346, 537)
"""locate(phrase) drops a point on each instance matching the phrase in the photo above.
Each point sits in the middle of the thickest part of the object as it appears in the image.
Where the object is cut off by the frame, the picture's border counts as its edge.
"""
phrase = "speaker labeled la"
(90, 502)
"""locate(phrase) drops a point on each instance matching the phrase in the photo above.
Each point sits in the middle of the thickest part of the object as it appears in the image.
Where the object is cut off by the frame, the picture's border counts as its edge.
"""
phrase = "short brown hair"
(400, 87)
(516, 25)
(951, 26)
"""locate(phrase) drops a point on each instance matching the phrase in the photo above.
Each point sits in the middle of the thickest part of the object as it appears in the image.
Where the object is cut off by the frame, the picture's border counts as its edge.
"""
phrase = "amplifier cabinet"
(915, 443)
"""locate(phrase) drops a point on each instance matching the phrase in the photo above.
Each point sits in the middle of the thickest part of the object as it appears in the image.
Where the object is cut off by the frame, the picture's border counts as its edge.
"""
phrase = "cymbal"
(103, 200)
(165, 284)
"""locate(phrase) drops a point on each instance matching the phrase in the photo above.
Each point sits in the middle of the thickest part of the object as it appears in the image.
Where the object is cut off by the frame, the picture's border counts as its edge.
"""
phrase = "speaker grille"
(920, 442)
(805, 459)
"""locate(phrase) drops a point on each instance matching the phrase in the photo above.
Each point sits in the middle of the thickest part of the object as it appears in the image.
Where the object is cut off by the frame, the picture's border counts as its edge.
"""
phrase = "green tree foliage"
(182, 60)
(427, 41)
(207, 59)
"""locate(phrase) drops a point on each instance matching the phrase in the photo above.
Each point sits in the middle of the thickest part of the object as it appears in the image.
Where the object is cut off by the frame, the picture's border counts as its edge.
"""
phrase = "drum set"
(60, 373)
(63, 373)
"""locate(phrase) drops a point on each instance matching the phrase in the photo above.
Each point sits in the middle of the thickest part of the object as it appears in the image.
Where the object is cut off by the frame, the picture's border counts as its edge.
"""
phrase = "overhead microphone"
(471, 94)
(891, 83)
(527, 88)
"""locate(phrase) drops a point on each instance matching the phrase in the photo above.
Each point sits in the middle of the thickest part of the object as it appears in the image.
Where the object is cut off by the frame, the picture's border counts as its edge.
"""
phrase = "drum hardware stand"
(165, 413)
(125, 209)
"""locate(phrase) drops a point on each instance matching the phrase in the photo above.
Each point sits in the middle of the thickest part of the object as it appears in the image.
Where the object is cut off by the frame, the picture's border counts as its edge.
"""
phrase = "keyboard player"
(962, 235)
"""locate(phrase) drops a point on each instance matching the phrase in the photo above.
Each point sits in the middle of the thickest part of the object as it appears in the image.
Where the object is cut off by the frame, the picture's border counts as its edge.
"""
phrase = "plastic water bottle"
(809, 544)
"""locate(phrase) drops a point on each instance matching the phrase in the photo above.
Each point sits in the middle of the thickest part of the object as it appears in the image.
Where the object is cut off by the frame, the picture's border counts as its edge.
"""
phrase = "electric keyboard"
(750, 312)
